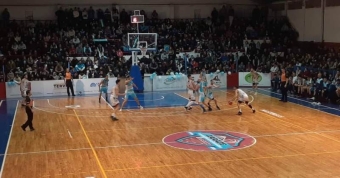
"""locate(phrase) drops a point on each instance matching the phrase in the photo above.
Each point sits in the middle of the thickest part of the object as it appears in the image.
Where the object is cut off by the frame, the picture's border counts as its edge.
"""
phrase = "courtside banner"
(168, 82)
(219, 79)
(13, 89)
(58, 87)
(245, 79)
(91, 86)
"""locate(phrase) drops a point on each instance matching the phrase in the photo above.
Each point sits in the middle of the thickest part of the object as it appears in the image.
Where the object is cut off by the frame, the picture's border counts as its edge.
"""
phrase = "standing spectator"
(61, 16)
(6, 16)
(91, 14)
(231, 14)
(84, 14)
(154, 15)
(214, 16)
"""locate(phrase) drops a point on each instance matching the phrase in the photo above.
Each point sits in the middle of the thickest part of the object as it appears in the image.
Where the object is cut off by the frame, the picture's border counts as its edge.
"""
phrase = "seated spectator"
(21, 46)
(75, 40)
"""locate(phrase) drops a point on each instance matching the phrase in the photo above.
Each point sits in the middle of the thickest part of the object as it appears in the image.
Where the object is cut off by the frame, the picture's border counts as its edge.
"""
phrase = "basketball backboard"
(137, 39)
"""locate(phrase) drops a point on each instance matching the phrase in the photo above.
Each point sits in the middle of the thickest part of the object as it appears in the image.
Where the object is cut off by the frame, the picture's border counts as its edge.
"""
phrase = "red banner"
(2, 90)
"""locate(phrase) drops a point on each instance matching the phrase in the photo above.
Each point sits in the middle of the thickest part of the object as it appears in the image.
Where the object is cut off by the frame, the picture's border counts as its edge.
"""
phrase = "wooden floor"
(85, 142)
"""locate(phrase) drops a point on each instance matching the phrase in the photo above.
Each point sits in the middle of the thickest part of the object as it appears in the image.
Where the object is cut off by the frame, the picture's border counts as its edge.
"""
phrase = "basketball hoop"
(143, 50)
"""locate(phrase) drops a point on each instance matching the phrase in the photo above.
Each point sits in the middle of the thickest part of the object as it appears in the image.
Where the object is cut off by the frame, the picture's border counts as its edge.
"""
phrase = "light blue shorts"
(103, 90)
(201, 97)
(211, 96)
(130, 94)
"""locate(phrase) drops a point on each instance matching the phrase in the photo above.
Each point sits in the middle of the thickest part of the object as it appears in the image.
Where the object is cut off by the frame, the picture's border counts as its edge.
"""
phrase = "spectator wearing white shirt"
(17, 37)
(100, 50)
(274, 70)
(15, 47)
(84, 14)
(164, 56)
(71, 33)
(21, 46)
(75, 40)
(75, 13)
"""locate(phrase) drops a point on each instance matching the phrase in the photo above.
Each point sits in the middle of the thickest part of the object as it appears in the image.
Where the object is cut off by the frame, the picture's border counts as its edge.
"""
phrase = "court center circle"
(209, 140)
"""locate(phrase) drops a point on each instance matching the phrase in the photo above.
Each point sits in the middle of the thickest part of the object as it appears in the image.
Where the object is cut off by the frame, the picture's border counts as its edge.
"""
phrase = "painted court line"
(300, 100)
(69, 133)
(159, 143)
(161, 98)
(221, 161)
(90, 143)
(302, 105)
(48, 101)
(271, 113)
(9, 139)
(212, 162)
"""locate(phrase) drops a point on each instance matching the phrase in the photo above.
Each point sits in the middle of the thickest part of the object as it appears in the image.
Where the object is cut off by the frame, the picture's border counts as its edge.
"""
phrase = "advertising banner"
(58, 87)
(245, 79)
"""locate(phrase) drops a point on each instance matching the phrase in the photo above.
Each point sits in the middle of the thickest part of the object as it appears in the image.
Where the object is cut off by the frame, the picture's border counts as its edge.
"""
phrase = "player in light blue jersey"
(210, 94)
(104, 84)
(202, 84)
(129, 92)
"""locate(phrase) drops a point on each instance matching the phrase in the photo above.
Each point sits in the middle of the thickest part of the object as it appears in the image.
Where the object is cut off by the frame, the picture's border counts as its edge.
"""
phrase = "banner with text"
(167, 82)
(58, 87)
(245, 79)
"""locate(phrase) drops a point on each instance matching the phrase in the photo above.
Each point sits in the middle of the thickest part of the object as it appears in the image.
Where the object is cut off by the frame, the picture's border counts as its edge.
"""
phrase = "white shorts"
(114, 101)
(23, 92)
(243, 98)
(191, 95)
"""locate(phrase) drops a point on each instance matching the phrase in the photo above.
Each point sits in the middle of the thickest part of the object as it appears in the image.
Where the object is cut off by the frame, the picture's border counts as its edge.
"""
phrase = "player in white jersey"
(210, 94)
(255, 78)
(129, 92)
(23, 88)
(191, 86)
(114, 99)
(242, 97)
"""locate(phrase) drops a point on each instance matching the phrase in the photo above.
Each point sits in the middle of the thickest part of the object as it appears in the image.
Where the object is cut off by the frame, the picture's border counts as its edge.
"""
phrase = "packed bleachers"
(223, 41)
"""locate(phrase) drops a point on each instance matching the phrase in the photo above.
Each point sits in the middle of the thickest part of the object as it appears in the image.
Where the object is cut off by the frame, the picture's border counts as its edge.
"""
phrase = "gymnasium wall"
(45, 9)
(311, 22)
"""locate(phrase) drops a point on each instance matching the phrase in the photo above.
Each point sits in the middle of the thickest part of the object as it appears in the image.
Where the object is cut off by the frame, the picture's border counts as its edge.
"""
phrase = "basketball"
(230, 103)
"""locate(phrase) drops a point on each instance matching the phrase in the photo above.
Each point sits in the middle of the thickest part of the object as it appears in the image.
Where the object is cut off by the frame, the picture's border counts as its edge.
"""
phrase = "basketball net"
(143, 50)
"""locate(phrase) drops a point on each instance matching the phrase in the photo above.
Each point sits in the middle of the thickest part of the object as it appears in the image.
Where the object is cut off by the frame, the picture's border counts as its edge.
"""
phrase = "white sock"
(240, 110)
(113, 114)
(190, 103)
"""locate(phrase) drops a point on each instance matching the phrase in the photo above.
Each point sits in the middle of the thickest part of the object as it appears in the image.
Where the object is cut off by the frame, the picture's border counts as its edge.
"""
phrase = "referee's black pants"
(284, 92)
(69, 86)
(29, 121)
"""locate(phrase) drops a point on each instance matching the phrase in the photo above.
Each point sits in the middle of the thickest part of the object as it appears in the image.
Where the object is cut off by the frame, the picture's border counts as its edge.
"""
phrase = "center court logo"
(169, 80)
(249, 78)
(209, 140)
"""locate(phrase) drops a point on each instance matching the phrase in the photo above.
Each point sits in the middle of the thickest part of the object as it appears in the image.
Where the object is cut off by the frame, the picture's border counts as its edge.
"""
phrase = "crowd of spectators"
(222, 42)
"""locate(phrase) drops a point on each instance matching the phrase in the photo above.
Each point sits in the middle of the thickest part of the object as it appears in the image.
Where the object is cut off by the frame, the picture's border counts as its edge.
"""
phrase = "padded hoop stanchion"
(137, 78)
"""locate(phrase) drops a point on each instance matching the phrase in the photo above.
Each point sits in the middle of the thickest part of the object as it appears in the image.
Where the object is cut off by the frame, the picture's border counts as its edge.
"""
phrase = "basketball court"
(75, 137)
